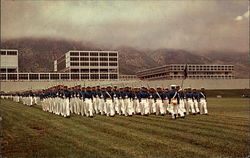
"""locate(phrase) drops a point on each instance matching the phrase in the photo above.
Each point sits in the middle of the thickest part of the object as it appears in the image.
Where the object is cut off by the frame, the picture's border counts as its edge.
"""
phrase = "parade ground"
(31, 132)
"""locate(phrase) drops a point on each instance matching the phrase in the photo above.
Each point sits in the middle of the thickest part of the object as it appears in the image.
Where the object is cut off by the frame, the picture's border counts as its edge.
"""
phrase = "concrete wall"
(208, 84)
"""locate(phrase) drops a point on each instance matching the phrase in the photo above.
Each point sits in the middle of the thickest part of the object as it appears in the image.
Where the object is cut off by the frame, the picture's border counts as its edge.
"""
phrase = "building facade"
(194, 71)
(91, 64)
(8, 60)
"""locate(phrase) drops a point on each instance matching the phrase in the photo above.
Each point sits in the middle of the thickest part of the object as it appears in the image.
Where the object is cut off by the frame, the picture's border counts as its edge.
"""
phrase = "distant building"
(91, 64)
(9, 60)
(194, 71)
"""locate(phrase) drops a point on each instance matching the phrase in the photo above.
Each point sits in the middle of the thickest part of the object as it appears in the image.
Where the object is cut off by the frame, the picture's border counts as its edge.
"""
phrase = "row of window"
(203, 77)
(92, 54)
(92, 59)
(8, 52)
(92, 64)
(56, 76)
(93, 70)
(202, 68)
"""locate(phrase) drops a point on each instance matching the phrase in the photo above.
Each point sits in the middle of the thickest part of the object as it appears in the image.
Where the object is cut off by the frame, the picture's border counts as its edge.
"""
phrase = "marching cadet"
(136, 103)
(82, 101)
(180, 105)
(116, 100)
(173, 99)
(66, 100)
(121, 101)
(72, 104)
(88, 101)
(77, 94)
(94, 93)
(128, 106)
(108, 99)
(196, 99)
(166, 99)
(203, 101)
(151, 103)
(102, 107)
(98, 91)
(158, 97)
(190, 101)
(143, 98)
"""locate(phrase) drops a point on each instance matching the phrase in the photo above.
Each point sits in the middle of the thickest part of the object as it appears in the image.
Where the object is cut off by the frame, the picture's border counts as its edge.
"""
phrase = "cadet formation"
(111, 101)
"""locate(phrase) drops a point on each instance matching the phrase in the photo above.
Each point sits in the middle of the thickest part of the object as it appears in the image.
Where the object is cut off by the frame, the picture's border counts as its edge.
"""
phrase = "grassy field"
(30, 132)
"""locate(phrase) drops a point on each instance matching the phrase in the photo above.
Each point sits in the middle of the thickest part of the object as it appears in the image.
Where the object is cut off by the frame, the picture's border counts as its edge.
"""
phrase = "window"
(94, 76)
(103, 64)
(103, 59)
(103, 54)
(84, 59)
(93, 64)
(93, 59)
(84, 64)
(104, 76)
(54, 76)
(44, 76)
(74, 76)
(74, 59)
(74, 53)
(12, 76)
(103, 70)
(11, 52)
(112, 64)
(113, 76)
(84, 76)
(112, 70)
(94, 70)
(34, 77)
(93, 54)
(112, 59)
(112, 54)
(84, 53)
(23, 76)
(3, 52)
(74, 64)
(64, 76)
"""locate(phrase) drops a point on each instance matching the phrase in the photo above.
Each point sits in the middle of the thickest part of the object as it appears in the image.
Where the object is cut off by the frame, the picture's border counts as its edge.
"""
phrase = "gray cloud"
(193, 25)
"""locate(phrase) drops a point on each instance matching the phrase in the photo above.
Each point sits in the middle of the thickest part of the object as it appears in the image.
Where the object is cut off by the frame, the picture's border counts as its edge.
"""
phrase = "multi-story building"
(91, 64)
(194, 71)
(9, 60)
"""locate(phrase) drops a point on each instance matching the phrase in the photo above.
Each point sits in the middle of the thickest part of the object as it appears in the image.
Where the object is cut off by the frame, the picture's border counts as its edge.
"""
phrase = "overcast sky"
(198, 25)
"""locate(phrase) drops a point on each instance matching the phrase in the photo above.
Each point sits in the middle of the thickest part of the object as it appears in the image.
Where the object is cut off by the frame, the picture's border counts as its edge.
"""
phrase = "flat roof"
(8, 49)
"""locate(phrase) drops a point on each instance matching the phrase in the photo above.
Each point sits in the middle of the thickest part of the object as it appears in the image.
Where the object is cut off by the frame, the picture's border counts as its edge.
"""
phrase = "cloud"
(192, 25)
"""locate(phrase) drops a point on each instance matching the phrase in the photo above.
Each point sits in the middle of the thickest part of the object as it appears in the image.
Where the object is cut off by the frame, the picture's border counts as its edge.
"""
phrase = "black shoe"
(183, 117)
(194, 113)
(198, 113)
(162, 114)
(185, 113)
(91, 116)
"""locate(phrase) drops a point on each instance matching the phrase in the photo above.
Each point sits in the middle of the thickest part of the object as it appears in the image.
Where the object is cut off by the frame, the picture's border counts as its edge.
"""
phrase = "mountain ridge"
(34, 51)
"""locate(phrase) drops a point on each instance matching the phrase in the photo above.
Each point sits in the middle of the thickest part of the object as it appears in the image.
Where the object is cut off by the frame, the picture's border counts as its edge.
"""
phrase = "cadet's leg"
(67, 108)
(174, 113)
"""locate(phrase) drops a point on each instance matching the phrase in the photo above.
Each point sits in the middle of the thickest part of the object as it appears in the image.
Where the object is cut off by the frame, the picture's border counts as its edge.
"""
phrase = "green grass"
(30, 132)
